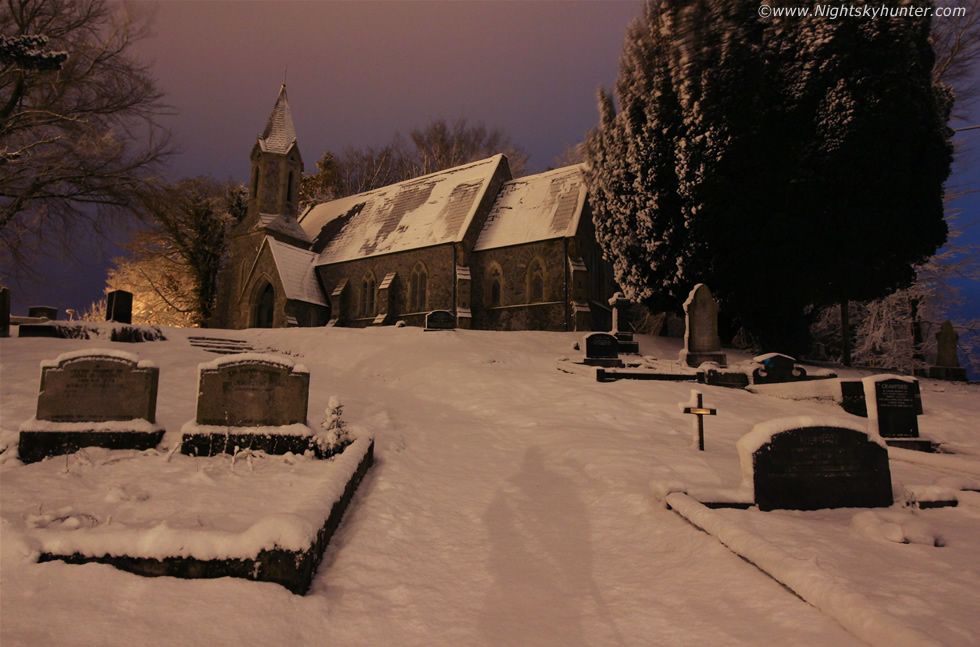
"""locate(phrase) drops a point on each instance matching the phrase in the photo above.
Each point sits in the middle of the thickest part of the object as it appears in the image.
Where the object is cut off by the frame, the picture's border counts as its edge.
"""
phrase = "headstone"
(777, 368)
(4, 312)
(602, 349)
(43, 311)
(440, 320)
(93, 398)
(809, 463)
(701, 340)
(892, 407)
(250, 400)
(852, 398)
(119, 306)
(947, 363)
(620, 328)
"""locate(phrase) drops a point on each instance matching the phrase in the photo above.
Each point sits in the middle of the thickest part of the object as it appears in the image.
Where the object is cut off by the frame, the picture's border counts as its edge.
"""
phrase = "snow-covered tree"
(784, 162)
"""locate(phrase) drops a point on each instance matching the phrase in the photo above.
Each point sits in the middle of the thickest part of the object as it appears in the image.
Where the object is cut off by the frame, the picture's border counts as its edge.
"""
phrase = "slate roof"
(284, 225)
(421, 212)
(279, 134)
(296, 270)
(534, 208)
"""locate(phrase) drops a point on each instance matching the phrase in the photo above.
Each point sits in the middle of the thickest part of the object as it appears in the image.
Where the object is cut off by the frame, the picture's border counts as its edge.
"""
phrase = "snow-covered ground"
(510, 504)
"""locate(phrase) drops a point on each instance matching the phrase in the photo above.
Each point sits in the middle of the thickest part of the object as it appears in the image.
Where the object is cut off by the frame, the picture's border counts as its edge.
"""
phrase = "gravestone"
(4, 312)
(810, 463)
(47, 312)
(777, 368)
(602, 349)
(947, 363)
(619, 303)
(894, 403)
(250, 401)
(119, 306)
(93, 398)
(852, 398)
(701, 340)
(440, 320)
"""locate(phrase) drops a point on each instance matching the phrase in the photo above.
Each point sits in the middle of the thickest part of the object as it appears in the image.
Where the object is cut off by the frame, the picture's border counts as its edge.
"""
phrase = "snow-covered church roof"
(538, 207)
(297, 272)
(421, 212)
(279, 134)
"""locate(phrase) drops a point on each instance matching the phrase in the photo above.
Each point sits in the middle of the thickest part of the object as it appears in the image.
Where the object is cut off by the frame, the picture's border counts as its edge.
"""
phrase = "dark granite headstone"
(777, 368)
(252, 391)
(96, 398)
(602, 349)
(810, 467)
(4, 312)
(894, 403)
(119, 306)
(852, 398)
(440, 320)
(43, 311)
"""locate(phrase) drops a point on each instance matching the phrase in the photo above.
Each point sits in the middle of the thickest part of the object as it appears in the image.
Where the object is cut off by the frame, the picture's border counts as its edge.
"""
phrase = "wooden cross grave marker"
(700, 411)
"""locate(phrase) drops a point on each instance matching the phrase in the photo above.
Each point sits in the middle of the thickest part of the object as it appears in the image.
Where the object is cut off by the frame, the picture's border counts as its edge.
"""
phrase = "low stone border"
(34, 446)
(213, 444)
(292, 569)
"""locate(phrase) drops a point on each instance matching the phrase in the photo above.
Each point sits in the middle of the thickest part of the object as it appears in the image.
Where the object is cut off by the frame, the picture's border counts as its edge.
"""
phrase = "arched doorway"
(265, 308)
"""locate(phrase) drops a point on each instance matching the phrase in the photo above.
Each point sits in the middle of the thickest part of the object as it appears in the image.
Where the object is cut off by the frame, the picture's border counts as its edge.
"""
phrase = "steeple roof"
(279, 134)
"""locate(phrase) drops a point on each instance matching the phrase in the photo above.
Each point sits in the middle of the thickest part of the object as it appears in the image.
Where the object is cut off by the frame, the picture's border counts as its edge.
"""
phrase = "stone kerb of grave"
(893, 405)
(93, 398)
(601, 349)
(701, 340)
(811, 463)
(250, 401)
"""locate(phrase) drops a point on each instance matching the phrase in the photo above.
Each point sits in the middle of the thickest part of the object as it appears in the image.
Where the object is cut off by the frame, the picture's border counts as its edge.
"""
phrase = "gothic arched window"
(255, 181)
(265, 307)
(289, 188)
(418, 288)
(535, 281)
(495, 286)
(368, 289)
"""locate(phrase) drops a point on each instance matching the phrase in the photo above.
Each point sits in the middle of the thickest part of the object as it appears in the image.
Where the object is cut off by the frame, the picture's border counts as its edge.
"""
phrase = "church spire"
(279, 134)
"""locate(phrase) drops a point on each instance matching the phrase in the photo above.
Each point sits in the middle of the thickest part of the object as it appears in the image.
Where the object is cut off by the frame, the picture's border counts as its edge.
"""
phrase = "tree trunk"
(845, 334)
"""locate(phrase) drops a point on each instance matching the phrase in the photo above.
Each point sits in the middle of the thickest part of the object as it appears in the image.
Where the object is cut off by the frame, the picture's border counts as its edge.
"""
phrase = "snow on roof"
(279, 134)
(421, 212)
(538, 207)
(284, 225)
(297, 272)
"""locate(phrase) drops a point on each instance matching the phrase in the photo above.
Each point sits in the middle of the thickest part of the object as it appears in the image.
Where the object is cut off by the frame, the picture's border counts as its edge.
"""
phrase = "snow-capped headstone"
(119, 306)
(602, 349)
(947, 363)
(808, 463)
(440, 320)
(894, 403)
(93, 398)
(250, 401)
(620, 326)
(776, 368)
(701, 340)
(4, 312)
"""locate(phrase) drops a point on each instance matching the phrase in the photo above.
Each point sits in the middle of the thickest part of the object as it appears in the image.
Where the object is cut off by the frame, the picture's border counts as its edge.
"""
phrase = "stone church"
(498, 253)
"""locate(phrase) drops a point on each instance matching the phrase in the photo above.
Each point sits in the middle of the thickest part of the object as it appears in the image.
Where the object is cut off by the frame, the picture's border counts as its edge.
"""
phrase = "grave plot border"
(293, 570)
(34, 446)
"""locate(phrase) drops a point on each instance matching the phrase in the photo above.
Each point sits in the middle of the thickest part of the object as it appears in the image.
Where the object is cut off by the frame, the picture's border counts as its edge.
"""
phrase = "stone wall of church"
(242, 249)
(243, 306)
(440, 271)
(516, 310)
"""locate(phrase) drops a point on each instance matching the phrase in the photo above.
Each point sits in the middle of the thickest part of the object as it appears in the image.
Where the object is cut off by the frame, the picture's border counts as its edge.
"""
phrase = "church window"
(535, 281)
(255, 181)
(418, 288)
(495, 285)
(368, 290)
(289, 188)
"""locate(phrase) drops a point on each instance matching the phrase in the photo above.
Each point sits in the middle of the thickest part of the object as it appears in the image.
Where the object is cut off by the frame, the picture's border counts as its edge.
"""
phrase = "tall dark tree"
(810, 157)
(78, 132)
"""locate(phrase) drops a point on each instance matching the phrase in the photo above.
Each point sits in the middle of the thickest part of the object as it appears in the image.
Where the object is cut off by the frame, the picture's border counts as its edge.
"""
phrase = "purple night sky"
(359, 70)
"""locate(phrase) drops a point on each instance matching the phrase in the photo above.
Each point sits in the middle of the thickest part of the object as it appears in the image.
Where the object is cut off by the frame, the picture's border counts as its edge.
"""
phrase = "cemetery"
(494, 471)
